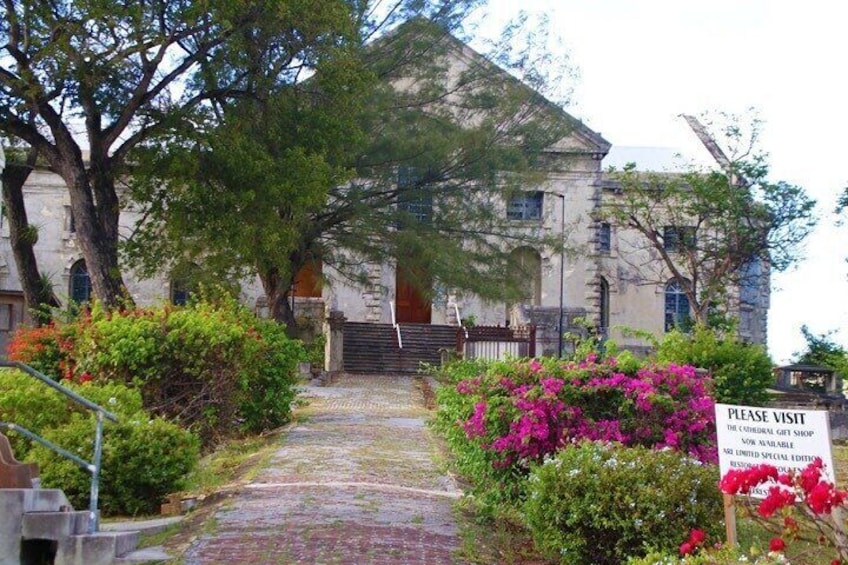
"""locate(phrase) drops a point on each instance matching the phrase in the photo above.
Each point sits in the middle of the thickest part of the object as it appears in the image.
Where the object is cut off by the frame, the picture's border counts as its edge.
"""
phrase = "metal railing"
(92, 467)
(395, 325)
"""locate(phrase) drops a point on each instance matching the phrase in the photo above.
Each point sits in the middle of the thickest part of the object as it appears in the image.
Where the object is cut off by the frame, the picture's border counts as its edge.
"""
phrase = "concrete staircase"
(373, 348)
(40, 526)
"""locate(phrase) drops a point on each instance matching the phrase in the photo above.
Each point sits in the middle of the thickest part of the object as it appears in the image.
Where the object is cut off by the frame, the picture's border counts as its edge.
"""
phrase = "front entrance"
(412, 306)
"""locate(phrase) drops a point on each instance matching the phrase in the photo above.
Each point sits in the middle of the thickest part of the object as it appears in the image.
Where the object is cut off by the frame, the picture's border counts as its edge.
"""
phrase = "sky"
(641, 63)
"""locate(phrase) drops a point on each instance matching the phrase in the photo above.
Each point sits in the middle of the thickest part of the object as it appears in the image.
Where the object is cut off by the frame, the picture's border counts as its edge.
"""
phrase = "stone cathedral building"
(597, 282)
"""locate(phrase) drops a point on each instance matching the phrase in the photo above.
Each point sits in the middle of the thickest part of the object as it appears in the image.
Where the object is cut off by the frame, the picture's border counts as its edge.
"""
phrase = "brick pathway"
(354, 483)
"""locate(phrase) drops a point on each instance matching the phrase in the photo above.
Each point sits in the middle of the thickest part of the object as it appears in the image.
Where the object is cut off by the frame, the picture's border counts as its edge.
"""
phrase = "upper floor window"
(80, 290)
(415, 198)
(678, 238)
(676, 306)
(604, 237)
(525, 206)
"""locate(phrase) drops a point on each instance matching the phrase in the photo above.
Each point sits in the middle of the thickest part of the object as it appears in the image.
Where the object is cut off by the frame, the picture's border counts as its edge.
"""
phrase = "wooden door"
(412, 306)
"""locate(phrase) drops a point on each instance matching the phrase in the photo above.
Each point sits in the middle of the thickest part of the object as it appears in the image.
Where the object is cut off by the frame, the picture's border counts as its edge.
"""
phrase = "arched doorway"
(307, 280)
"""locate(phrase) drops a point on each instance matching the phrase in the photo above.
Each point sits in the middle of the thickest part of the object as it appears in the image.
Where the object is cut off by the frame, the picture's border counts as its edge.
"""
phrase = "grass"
(236, 459)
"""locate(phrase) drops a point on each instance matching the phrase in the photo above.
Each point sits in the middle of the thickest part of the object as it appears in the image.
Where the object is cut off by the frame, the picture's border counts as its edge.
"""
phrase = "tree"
(85, 82)
(715, 233)
(822, 351)
(38, 294)
(386, 152)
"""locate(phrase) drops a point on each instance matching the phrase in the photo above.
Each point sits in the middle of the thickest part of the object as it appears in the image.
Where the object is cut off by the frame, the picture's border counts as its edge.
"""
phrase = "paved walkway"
(353, 483)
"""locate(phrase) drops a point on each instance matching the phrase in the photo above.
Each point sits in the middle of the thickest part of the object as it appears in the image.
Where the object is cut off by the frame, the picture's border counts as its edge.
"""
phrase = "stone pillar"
(334, 345)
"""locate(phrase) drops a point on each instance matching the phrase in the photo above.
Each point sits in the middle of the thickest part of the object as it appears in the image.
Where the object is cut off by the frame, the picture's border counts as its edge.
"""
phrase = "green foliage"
(492, 486)
(27, 402)
(601, 504)
(742, 372)
(212, 366)
(822, 351)
(143, 460)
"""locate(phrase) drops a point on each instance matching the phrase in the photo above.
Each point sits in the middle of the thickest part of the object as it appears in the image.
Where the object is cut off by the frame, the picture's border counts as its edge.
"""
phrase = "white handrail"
(395, 325)
(459, 320)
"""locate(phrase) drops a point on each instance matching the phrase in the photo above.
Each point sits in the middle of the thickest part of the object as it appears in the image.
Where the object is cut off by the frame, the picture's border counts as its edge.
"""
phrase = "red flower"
(777, 498)
(777, 544)
(697, 537)
(823, 497)
(686, 548)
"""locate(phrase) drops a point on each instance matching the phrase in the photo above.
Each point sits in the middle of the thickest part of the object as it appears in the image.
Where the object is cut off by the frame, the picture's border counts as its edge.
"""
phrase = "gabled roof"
(581, 138)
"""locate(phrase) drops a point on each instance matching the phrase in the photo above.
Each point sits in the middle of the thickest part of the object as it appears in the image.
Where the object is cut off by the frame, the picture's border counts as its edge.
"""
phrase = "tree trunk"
(277, 296)
(96, 222)
(37, 298)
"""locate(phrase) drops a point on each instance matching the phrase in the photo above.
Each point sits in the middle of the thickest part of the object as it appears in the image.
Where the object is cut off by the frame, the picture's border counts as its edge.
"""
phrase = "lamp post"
(561, 269)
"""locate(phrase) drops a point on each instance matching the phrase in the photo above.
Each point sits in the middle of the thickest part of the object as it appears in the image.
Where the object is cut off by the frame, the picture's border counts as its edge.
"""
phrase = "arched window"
(80, 290)
(604, 306)
(529, 263)
(676, 306)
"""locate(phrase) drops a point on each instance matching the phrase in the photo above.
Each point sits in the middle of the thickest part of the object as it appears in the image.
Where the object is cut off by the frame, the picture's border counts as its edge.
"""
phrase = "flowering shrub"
(48, 349)
(538, 408)
(502, 417)
(602, 503)
(808, 490)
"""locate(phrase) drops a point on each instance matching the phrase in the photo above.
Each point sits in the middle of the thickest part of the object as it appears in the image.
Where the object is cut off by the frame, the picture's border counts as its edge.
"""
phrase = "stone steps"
(31, 516)
(373, 348)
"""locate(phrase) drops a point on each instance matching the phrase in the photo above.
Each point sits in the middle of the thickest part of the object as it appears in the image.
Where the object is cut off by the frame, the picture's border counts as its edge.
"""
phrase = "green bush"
(144, 458)
(491, 485)
(212, 366)
(741, 372)
(143, 461)
(268, 388)
(30, 403)
(602, 503)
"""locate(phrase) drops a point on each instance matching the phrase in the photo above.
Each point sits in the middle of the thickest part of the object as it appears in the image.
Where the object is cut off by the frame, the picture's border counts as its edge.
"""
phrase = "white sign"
(787, 439)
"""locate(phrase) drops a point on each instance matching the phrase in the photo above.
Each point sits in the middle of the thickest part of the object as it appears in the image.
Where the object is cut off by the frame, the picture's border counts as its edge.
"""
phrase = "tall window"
(678, 238)
(604, 306)
(676, 306)
(415, 196)
(604, 237)
(525, 206)
(80, 290)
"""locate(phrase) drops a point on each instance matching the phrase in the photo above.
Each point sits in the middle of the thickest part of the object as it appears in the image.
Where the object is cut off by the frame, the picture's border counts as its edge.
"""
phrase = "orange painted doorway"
(412, 306)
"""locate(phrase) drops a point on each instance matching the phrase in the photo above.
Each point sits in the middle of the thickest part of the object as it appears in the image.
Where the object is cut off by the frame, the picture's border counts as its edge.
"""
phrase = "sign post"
(787, 439)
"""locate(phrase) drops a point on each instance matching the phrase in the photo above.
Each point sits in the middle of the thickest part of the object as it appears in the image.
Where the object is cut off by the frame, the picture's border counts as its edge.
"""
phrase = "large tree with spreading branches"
(402, 148)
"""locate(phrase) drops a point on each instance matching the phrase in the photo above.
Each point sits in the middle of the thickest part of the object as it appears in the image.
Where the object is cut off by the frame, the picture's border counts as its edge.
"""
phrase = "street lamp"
(561, 269)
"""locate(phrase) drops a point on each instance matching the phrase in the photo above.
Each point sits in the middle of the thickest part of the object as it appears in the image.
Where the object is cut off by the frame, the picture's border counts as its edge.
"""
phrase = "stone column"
(334, 346)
